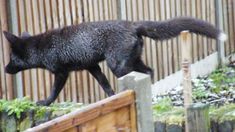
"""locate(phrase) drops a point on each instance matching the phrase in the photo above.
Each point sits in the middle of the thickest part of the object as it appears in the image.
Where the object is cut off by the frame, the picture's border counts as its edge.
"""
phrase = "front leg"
(100, 77)
(59, 82)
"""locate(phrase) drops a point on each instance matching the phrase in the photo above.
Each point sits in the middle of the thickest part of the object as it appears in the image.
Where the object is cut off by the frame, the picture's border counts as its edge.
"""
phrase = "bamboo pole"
(185, 38)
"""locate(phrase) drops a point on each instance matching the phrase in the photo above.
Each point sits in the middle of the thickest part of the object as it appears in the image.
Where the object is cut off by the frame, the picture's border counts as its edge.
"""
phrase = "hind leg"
(141, 67)
(121, 69)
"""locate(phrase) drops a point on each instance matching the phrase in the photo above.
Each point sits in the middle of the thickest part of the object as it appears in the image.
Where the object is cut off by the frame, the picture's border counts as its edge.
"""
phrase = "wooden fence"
(114, 114)
(36, 16)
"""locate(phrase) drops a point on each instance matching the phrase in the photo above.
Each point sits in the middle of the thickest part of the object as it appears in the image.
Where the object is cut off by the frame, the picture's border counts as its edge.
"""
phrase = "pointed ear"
(25, 35)
(15, 43)
(11, 37)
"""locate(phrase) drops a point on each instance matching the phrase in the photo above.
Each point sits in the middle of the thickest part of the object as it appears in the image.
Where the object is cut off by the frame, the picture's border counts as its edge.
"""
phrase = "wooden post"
(219, 24)
(121, 9)
(141, 84)
(186, 61)
(197, 115)
(13, 27)
(198, 118)
(185, 38)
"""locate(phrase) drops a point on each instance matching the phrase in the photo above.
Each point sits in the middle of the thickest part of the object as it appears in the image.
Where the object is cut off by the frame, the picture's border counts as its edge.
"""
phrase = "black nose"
(10, 70)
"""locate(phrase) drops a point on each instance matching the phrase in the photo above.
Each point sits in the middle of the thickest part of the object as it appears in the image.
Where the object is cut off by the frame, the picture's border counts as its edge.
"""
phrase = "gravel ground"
(218, 89)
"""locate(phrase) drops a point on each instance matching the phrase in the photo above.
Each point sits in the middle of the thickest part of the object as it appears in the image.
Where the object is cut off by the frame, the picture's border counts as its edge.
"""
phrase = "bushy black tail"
(171, 28)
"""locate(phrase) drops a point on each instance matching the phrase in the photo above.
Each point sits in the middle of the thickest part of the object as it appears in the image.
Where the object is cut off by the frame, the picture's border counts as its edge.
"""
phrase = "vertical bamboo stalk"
(185, 38)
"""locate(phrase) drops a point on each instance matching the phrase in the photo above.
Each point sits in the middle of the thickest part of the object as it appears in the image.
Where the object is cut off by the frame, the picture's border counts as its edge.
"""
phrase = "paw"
(111, 93)
(43, 103)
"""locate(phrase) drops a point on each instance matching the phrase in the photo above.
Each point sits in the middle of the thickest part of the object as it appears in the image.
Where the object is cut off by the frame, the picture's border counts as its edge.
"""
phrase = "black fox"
(83, 46)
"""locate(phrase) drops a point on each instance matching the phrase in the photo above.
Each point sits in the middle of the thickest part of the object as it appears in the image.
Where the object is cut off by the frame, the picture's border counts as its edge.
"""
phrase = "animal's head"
(19, 54)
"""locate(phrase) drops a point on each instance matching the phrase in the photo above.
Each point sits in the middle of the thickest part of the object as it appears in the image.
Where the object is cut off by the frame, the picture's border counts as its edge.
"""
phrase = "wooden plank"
(169, 42)
(107, 71)
(110, 9)
(194, 37)
(68, 21)
(2, 77)
(74, 129)
(60, 8)
(73, 12)
(41, 73)
(226, 28)
(204, 39)
(98, 16)
(134, 10)
(22, 28)
(129, 10)
(55, 24)
(2, 44)
(104, 68)
(80, 88)
(9, 79)
(33, 72)
(93, 7)
(198, 117)
(159, 44)
(133, 118)
(48, 25)
(87, 113)
(85, 75)
(116, 121)
(164, 43)
(231, 26)
(199, 38)
(54, 13)
(79, 9)
(115, 17)
(80, 19)
(73, 74)
(147, 40)
(213, 20)
(153, 43)
(110, 17)
(36, 28)
(233, 11)
(208, 18)
(115, 9)
(175, 44)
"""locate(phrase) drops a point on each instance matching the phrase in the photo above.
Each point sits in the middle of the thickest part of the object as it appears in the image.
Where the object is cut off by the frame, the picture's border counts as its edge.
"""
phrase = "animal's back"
(86, 44)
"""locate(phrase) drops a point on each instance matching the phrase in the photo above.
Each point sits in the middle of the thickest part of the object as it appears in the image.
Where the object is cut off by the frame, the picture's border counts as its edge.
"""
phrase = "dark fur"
(83, 46)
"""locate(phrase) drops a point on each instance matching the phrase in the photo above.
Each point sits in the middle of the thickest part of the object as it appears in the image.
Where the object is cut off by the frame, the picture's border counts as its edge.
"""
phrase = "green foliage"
(224, 113)
(41, 111)
(16, 106)
(221, 79)
(163, 105)
(199, 93)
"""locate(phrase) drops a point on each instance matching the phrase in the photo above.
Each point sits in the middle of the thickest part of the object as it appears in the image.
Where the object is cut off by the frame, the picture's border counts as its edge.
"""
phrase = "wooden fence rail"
(36, 16)
(113, 114)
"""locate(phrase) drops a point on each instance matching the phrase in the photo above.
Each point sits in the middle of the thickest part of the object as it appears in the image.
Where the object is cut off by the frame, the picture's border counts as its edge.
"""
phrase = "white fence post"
(141, 84)
(219, 24)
